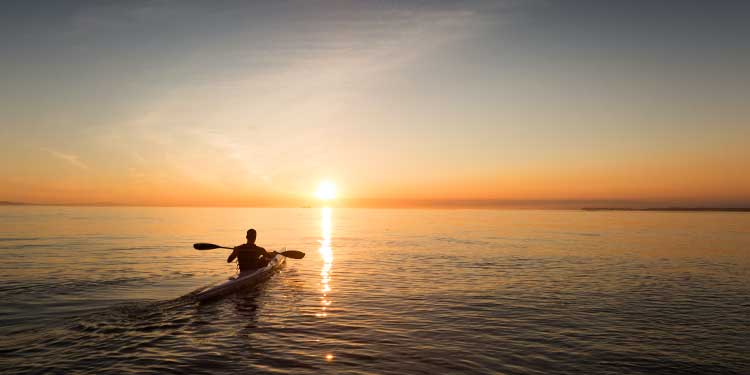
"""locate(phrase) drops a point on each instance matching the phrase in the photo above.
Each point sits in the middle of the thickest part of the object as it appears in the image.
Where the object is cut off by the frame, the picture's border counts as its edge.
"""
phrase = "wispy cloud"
(312, 72)
(73, 160)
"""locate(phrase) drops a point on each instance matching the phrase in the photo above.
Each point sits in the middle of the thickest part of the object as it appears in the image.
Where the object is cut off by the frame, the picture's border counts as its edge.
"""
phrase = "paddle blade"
(294, 254)
(205, 246)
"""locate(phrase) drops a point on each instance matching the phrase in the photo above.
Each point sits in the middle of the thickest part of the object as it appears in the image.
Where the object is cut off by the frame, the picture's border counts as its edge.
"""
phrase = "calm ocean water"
(107, 290)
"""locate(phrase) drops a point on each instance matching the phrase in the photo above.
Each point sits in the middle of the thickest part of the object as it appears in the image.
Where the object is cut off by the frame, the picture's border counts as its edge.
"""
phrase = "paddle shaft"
(294, 254)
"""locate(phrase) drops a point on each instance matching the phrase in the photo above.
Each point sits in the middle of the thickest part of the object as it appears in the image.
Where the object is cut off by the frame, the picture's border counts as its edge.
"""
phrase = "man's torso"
(249, 257)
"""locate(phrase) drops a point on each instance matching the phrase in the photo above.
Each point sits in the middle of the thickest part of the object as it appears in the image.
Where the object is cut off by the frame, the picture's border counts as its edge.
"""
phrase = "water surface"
(108, 290)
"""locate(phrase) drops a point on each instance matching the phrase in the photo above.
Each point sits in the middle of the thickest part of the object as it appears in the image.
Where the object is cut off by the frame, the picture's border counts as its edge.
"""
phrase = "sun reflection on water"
(327, 254)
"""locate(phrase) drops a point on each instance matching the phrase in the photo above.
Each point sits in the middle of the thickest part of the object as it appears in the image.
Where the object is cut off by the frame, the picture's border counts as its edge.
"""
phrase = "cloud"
(264, 102)
(73, 160)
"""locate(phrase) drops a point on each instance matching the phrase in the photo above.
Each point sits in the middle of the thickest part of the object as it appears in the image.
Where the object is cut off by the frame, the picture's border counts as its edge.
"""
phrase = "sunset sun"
(326, 191)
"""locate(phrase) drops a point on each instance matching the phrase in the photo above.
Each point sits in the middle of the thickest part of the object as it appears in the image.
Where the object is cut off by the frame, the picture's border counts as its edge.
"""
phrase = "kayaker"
(250, 256)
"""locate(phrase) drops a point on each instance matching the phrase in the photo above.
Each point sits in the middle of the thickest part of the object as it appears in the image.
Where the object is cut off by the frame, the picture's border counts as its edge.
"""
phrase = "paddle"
(209, 246)
(294, 254)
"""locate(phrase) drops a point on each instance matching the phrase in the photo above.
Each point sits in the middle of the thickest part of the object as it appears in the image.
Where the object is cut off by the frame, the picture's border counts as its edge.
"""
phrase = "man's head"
(251, 234)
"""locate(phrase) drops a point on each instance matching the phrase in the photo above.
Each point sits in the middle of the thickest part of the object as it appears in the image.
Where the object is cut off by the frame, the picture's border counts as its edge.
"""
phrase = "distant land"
(6, 203)
(97, 204)
(679, 209)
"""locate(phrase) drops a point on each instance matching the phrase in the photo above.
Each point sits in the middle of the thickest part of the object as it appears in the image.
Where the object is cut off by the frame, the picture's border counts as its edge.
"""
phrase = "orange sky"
(399, 105)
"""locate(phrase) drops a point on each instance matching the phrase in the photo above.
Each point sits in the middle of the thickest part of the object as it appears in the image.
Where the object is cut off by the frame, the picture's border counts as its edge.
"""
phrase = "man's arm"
(266, 254)
(232, 256)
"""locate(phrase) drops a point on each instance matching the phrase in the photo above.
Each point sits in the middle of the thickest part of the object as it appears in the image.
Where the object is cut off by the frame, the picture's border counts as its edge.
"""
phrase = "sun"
(326, 191)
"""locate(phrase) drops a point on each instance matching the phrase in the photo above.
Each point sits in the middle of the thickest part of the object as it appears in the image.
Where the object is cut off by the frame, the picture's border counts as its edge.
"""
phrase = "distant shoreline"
(672, 209)
(6, 203)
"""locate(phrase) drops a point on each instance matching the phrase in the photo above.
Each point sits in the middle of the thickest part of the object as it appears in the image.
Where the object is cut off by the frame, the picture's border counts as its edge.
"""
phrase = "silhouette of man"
(250, 256)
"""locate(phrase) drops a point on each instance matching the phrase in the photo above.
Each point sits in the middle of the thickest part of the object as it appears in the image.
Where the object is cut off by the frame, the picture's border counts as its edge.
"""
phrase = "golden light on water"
(326, 190)
(326, 253)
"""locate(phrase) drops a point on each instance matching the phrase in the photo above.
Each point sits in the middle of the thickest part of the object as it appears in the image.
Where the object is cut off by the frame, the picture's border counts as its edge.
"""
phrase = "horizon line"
(573, 204)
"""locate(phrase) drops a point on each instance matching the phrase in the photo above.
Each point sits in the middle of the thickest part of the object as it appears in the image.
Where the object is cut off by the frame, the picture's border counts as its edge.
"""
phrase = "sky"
(399, 103)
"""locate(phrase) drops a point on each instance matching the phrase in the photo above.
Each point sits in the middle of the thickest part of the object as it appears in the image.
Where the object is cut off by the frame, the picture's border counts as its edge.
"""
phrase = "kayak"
(241, 281)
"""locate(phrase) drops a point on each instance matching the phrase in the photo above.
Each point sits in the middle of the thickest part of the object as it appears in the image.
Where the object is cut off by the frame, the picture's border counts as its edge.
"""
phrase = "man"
(250, 256)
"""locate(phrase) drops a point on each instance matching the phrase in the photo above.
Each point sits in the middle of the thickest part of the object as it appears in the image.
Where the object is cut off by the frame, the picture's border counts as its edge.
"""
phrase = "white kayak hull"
(241, 281)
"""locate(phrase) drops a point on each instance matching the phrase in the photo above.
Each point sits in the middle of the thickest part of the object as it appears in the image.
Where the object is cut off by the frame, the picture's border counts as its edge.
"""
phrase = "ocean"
(100, 290)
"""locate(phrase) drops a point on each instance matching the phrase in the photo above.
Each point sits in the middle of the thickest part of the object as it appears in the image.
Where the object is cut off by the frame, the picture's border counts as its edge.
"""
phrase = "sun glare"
(326, 191)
